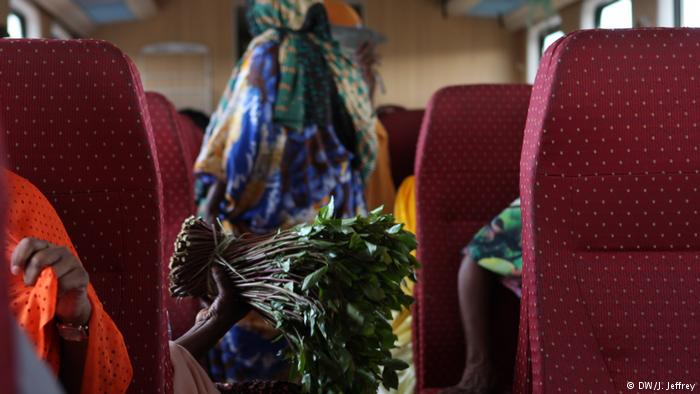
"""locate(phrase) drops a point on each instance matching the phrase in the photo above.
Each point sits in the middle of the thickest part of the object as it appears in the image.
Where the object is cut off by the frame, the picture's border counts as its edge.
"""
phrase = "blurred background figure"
(294, 126)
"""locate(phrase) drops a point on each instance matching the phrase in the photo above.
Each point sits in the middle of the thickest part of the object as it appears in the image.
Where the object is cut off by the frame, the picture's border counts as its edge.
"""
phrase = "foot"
(477, 379)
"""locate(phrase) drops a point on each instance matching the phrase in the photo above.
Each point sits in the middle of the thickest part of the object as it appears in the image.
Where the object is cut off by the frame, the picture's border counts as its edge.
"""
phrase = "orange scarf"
(107, 365)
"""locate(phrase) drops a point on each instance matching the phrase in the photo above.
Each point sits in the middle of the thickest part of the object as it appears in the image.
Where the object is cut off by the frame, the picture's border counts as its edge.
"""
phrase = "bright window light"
(14, 26)
(550, 38)
(690, 16)
(616, 15)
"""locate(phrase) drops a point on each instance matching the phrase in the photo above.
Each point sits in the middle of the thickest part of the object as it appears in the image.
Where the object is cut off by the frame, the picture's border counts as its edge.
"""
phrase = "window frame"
(22, 20)
(545, 32)
(598, 13)
(678, 13)
(535, 35)
(30, 16)
(591, 10)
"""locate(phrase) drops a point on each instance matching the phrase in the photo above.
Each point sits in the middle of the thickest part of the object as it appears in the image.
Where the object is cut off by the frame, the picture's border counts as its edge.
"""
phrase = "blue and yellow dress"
(294, 127)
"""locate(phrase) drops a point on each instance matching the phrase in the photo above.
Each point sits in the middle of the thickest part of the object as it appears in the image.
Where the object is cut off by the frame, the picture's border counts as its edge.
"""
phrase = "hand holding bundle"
(330, 288)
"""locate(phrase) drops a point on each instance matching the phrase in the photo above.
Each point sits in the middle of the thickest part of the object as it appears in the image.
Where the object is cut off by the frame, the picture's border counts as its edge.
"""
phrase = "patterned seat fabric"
(178, 196)
(75, 125)
(403, 127)
(7, 363)
(466, 172)
(192, 137)
(609, 183)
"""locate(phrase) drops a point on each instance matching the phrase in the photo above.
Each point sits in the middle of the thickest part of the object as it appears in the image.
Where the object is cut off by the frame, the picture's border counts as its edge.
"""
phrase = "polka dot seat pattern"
(403, 127)
(192, 137)
(466, 173)
(610, 174)
(75, 125)
(7, 367)
(178, 197)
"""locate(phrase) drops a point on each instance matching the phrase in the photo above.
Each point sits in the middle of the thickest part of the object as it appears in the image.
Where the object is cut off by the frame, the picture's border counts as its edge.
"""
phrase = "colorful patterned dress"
(294, 127)
(498, 247)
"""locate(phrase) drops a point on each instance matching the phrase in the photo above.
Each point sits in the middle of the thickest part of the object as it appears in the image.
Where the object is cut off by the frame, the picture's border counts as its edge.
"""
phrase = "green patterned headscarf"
(314, 74)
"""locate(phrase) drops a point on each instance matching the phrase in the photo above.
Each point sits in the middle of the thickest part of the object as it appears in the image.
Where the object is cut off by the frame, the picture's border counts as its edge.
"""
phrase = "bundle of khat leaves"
(329, 287)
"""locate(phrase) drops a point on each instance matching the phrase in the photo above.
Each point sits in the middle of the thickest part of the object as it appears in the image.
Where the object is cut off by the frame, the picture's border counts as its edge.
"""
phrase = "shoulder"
(31, 214)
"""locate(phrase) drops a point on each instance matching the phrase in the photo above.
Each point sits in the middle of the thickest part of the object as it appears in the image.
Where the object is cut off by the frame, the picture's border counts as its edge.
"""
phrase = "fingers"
(40, 260)
(221, 280)
(34, 255)
(24, 251)
(74, 277)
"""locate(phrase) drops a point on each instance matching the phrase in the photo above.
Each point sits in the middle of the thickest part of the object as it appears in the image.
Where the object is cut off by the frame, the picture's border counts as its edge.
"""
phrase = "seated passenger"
(62, 316)
(496, 248)
(58, 308)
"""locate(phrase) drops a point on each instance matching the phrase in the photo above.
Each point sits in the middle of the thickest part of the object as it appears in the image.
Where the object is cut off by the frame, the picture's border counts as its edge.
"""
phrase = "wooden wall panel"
(209, 22)
(424, 52)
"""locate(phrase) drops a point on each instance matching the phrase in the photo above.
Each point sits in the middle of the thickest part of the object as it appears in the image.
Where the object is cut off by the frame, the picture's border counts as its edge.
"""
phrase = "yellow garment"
(405, 212)
(380, 189)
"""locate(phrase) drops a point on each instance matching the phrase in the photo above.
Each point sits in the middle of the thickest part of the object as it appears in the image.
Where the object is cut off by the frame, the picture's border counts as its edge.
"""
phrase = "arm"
(226, 310)
(31, 257)
(214, 197)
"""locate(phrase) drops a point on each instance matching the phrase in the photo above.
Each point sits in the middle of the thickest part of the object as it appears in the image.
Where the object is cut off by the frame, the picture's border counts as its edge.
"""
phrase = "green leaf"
(349, 221)
(354, 313)
(390, 379)
(395, 229)
(314, 277)
(377, 211)
(327, 211)
(286, 265)
(371, 248)
(395, 364)
(356, 241)
(374, 293)
(305, 230)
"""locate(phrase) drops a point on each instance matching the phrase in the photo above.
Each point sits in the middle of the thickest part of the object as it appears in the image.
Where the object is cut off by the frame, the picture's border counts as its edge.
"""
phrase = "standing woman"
(294, 127)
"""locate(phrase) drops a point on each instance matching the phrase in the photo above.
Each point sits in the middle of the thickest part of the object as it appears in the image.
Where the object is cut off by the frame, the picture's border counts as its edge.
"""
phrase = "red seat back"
(7, 342)
(76, 126)
(192, 136)
(466, 172)
(609, 184)
(403, 127)
(178, 196)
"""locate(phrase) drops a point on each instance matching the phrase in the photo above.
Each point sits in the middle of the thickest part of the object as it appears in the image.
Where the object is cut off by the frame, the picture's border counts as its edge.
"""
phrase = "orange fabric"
(379, 189)
(341, 14)
(107, 365)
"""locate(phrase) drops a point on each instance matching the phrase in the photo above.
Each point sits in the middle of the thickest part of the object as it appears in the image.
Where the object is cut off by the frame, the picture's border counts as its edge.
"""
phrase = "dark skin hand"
(474, 286)
(214, 197)
(215, 321)
(30, 258)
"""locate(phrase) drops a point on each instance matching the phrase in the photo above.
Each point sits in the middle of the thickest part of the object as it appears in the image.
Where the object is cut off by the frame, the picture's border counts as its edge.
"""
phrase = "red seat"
(178, 196)
(7, 342)
(192, 136)
(76, 126)
(609, 187)
(403, 127)
(466, 172)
